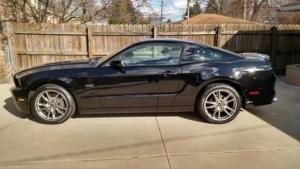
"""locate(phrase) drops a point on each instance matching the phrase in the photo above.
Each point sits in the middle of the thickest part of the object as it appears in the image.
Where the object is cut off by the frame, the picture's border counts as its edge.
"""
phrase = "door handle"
(168, 73)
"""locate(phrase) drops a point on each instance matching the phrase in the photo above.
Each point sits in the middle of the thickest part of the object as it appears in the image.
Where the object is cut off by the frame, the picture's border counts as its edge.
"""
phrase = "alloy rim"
(220, 104)
(51, 105)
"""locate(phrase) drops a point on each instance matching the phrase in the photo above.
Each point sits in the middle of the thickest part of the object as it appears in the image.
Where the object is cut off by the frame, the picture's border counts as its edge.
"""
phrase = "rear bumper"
(263, 99)
(20, 99)
(260, 88)
(261, 102)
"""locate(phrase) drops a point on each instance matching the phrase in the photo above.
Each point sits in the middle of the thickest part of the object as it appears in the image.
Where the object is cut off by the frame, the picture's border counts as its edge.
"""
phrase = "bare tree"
(215, 6)
(126, 11)
(256, 7)
(81, 10)
(59, 11)
(15, 10)
(247, 9)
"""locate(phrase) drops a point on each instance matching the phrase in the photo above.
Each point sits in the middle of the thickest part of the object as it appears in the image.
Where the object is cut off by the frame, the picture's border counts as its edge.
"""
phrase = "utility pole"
(188, 11)
(245, 9)
(161, 10)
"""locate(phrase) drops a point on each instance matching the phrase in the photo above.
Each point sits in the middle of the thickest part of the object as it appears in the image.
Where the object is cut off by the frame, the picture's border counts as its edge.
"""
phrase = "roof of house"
(214, 19)
(290, 7)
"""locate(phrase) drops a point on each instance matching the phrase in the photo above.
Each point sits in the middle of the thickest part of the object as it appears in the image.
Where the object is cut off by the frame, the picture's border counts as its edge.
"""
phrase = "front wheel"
(219, 103)
(52, 104)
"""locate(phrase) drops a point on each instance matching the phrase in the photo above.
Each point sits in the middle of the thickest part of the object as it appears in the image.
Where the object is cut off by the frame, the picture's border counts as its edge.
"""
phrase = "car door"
(169, 85)
(131, 87)
(137, 84)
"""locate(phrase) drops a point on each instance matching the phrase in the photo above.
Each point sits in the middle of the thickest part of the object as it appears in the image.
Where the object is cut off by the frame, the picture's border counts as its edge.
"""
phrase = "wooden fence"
(28, 45)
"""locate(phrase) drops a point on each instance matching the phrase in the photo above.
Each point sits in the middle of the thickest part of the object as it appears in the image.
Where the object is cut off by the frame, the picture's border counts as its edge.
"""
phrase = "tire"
(59, 109)
(215, 110)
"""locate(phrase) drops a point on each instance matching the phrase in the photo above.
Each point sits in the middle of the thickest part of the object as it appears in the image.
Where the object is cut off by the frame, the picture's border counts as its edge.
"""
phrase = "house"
(290, 7)
(213, 19)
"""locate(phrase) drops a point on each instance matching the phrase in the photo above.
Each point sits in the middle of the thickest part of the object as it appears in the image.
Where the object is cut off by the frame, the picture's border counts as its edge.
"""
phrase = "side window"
(200, 54)
(150, 54)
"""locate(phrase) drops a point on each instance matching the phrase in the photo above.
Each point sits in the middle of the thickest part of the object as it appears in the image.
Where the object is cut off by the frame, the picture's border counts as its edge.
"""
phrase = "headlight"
(17, 82)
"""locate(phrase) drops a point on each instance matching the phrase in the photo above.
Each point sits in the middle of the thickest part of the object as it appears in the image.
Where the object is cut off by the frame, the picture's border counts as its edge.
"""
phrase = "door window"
(150, 55)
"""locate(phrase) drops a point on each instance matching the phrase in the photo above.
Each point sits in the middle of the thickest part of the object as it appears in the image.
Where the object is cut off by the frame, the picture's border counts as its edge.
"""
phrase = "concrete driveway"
(263, 137)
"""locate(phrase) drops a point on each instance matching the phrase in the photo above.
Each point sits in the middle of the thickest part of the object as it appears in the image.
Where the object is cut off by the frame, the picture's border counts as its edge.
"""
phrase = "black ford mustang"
(157, 75)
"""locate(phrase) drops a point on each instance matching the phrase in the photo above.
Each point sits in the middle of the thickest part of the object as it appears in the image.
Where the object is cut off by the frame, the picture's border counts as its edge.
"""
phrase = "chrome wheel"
(51, 105)
(220, 104)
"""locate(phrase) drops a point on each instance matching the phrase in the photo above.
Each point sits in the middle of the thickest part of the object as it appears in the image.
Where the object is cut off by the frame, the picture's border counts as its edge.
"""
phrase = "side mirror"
(116, 64)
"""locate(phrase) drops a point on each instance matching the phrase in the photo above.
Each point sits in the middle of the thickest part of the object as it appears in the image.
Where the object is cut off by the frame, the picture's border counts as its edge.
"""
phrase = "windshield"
(105, 58)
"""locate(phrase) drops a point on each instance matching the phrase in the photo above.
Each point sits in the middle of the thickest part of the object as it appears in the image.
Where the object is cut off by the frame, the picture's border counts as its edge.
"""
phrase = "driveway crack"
(9, 125)
(163, 142)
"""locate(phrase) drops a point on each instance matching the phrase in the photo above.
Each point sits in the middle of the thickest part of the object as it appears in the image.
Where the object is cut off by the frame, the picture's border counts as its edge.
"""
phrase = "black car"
(156, 75)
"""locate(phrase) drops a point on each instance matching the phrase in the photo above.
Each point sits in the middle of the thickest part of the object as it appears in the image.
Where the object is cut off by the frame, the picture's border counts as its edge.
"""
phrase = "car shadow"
(283, 114)
(186, 115)
(11, 108)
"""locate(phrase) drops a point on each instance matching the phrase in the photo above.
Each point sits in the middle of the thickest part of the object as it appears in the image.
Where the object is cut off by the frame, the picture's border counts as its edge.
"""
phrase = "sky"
(173, 9)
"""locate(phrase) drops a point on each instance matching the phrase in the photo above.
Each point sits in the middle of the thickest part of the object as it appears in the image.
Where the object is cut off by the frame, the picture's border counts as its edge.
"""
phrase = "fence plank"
(187, 33)
(50, 33)
(122, 33)
(50, 52)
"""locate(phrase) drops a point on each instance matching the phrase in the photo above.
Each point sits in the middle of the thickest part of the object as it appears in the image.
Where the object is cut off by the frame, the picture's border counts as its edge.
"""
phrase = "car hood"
(58, 66)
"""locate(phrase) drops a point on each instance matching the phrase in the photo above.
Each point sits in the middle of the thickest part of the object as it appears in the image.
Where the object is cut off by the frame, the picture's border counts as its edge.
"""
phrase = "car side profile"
(155, 75)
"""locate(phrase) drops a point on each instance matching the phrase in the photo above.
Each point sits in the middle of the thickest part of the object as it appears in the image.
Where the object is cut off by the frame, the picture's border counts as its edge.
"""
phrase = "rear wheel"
(52, 104)
(219, 103)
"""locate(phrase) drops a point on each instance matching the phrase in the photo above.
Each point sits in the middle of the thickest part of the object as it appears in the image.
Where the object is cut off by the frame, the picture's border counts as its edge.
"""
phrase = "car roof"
(174, 40)
(184, 41)
(170, 40)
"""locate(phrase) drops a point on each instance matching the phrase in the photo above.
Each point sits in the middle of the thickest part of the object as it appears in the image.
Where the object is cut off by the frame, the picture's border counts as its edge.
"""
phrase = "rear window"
(200, 54)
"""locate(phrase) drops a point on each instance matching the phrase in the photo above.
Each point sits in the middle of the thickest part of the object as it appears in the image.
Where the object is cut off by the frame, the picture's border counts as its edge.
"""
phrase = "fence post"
(10, 52)
(154, 32)
(273, 40)
(273, 47)
(217, 40)
(89, 41)
(3, 69)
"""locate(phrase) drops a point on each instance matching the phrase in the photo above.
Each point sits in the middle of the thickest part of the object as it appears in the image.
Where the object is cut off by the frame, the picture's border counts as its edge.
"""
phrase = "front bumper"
(20, 99)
